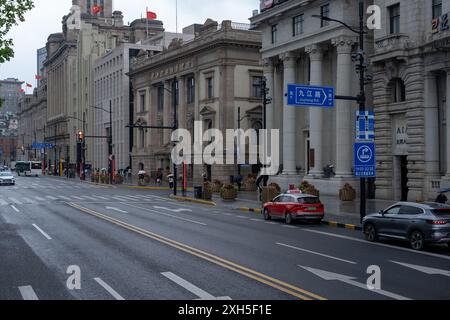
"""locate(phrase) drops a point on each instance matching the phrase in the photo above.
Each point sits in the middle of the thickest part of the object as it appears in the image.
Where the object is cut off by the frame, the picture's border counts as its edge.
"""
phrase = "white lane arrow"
(115, 209)
(202, 294)
(173, 210)
(330, 276)
(427, 270)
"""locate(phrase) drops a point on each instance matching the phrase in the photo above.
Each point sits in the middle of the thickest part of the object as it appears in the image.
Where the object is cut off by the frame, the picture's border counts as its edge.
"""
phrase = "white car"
(7, 178)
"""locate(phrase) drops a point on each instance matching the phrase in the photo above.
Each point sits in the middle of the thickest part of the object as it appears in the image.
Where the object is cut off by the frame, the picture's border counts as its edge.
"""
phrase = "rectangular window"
(210, 88)
(325, 12)
(437, 8)
(191, 90)
(274, 33)
(256, 87)
(297, 24)
(160, 98)
(142, 102)
(394, 18)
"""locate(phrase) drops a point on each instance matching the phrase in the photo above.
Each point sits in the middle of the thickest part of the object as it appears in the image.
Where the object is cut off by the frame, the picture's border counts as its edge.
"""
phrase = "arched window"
(398, 90)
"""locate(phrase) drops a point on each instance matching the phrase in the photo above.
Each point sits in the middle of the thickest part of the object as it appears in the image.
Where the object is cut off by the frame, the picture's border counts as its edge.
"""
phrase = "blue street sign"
(40, 145)
(365, 125)
(310, 96)
(365, 164)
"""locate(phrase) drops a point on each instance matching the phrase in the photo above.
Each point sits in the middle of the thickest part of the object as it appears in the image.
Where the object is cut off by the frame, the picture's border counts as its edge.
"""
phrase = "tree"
(11, 12)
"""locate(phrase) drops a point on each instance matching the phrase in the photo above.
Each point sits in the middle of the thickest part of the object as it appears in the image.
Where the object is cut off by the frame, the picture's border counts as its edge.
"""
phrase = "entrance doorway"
(404, 178)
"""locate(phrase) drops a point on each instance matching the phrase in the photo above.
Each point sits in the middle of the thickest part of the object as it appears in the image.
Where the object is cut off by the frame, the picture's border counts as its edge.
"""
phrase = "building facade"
(210, 77)
(10, 94)
(412, 88)
(112, 87)
(70, 71)
(299, 49)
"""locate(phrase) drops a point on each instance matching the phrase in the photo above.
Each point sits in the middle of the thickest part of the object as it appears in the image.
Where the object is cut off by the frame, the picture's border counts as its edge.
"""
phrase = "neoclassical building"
(300, 49)
(411, 66)
(217, 73)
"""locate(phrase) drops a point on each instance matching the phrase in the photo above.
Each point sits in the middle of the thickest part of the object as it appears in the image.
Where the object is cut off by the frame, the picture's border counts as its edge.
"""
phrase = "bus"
(29, 168)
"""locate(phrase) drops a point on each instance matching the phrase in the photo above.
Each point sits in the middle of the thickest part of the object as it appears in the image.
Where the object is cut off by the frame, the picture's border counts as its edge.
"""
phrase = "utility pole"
(175, 128)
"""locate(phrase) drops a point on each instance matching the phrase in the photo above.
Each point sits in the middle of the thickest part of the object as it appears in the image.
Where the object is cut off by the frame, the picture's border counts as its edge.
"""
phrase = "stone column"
(316, 114)
(182, 103)
(448, 123)
(344, 108)
(431, 127)
(268, 74)
(289, 124)
(167, 114)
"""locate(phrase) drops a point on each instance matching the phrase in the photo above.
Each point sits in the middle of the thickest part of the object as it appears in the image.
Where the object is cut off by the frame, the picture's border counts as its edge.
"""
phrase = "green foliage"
(11, 12)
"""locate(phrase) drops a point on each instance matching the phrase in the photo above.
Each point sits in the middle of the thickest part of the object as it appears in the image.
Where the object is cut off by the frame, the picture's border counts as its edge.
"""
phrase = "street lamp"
(110, 140)
(361, 68)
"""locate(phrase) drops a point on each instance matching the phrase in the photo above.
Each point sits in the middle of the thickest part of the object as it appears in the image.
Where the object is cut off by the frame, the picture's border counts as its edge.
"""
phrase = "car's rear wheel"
(266, 214)
(288, 218)
(417, 240)
(371, 232)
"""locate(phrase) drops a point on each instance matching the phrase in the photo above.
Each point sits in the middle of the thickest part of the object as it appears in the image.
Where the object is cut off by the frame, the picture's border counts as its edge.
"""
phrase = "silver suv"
(418, 223)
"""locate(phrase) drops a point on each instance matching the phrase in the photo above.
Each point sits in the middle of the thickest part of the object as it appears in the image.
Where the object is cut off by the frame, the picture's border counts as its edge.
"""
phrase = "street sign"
(365, 125)
(365, 164)
(310, 96)
(41, 145)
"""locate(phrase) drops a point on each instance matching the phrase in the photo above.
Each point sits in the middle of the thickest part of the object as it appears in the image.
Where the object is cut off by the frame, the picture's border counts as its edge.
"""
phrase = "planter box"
(268, 194)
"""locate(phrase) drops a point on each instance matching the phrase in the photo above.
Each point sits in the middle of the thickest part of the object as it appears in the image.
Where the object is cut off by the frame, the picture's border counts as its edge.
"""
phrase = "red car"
(295, 207)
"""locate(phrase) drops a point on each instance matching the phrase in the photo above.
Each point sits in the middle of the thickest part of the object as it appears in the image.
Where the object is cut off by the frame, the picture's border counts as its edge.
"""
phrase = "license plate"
(312, 208)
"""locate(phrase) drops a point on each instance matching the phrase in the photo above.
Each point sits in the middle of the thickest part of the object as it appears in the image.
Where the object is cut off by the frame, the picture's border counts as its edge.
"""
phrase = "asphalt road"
(137, 244)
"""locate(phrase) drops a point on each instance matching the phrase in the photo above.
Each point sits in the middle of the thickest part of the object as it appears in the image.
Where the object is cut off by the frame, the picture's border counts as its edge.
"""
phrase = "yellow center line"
(272, 282)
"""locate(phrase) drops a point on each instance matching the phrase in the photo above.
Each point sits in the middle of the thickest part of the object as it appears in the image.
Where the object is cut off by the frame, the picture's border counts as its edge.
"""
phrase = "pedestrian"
(171, 181)
(441, 198)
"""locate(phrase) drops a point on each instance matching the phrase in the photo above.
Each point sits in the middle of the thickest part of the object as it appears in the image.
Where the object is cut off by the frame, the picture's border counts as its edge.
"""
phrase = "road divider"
(187, 199)
(242, 270)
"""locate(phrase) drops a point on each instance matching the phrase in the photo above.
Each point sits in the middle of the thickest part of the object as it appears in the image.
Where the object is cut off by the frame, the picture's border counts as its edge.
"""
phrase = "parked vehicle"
(417, 223)
(29, 168)
(7, 178)
(291, 207)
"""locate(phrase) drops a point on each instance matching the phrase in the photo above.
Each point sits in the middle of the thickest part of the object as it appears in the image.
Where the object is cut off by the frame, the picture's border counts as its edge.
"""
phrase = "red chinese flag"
(38, 77)
(151, 15)
(29, 85)
(21, 91)
(96, 9)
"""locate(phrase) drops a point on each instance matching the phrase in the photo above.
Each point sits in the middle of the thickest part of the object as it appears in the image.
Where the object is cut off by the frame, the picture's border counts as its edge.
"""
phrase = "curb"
(152, 188)
(187, 199)
(328, 223)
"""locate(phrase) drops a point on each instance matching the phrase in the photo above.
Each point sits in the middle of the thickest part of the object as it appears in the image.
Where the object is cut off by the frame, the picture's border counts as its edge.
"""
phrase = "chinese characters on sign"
(309, 96)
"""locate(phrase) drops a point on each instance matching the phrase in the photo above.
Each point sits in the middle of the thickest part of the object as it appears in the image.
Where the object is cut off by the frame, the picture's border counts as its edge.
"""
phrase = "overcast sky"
(46, 17)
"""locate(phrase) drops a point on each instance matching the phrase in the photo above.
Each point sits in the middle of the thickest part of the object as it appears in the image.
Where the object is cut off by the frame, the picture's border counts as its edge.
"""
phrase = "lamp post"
(81, 140)
(361, 68)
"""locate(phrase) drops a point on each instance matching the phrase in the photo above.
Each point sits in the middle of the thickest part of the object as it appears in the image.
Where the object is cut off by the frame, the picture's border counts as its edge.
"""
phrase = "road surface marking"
(51, 198)
(90, 198)
(316, 253)
(115, 209)
(15, 209)
(28, 293)
(427, 270)
(330, 276)
(77, 198)
(244, 271)
(109, 289)
(289, 227)
(257, 220)
(165, 214)
(27, 201)
(242, 217)
(15, 201)
(173, 210)
(100, 197)
(203, 295)
(42, 232)
(377, 244)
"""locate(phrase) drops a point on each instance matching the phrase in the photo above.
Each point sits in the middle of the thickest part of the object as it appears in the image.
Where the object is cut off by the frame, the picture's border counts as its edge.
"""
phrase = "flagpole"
(176, 14)
(146, 19)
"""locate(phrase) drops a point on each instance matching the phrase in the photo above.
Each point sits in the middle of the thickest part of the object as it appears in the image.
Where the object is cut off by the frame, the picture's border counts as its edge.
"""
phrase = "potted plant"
(217, 185)
(312, 191)
(228, 192)
(118, 179)
(347, 193)
(207, 190)
(147, 179)
(250, 184)
(270, 192)
(304, 185)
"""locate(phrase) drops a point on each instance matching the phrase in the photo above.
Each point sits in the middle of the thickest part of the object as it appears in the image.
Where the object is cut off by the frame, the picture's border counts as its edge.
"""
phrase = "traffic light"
(80, 136)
